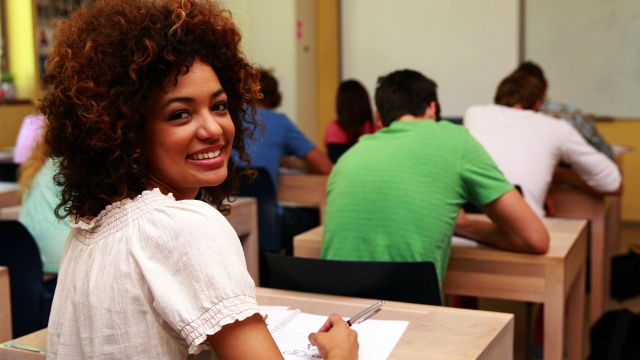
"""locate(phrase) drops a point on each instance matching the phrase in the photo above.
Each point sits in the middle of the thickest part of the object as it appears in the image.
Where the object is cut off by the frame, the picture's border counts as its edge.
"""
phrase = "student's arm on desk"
(315, 162)
(515, 226)
(590, 169)
(318, 161)
(251, 339)
(564, 175)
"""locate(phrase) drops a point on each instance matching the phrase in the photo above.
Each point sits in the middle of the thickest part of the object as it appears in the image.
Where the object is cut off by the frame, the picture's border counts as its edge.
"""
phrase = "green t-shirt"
(395, 195)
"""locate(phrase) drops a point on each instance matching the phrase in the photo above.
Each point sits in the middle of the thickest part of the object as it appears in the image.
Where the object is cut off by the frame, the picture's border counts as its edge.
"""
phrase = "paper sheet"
(291, 328)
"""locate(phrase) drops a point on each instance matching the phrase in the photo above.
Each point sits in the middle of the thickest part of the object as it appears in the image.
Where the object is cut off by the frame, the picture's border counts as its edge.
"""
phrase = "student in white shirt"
(527, 145)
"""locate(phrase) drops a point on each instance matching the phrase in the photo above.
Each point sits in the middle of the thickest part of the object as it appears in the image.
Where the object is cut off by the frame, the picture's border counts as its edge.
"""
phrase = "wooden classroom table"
(8, 194)
(36, 341)
(556, 279)
(300, 189)
(603, 213)
(5, 305)
(434, 332)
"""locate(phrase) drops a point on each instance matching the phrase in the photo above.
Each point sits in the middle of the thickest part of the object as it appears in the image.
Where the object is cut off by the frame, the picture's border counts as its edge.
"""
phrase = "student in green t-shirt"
(397, 194)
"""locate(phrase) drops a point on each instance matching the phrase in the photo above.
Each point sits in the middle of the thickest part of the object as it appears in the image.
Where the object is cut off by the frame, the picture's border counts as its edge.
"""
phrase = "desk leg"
(575, 315)
(598, 267)
(554, 312)
(5, 306)
(612, 247)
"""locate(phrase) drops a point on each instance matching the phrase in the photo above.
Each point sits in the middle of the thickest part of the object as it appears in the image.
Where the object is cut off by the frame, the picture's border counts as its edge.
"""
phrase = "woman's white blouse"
(148, 278)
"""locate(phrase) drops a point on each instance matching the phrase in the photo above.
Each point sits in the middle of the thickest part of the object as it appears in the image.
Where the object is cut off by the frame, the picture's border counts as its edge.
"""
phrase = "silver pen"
(366, 313)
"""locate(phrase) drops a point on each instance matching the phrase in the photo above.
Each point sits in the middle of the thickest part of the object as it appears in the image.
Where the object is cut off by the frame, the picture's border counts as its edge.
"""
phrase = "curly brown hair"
(107, 60)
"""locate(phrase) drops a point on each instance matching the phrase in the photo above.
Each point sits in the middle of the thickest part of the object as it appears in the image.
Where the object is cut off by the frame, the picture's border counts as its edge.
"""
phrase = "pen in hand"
(366, 313)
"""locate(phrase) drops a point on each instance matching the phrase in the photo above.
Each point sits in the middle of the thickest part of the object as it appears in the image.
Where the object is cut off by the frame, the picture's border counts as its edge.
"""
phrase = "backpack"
(625, 274)
(616, 336)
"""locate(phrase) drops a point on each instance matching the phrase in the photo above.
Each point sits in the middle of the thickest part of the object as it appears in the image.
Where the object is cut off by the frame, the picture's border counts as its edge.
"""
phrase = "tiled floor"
(630, 234)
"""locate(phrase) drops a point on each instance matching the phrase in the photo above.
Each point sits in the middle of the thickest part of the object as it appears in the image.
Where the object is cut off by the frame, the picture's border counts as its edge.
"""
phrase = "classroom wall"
(11, 116)
(269, 40)
(590, 52)
(625, 132)
(327, 64)
(467, 47)
(22, 58)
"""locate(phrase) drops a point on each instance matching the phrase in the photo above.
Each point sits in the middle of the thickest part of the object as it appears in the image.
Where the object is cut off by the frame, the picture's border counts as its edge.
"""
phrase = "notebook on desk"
(290, 329)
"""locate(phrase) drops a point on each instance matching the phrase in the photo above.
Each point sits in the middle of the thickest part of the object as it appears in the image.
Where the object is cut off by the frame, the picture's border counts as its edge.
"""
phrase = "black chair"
(413, 282)
(31, 297)
(269, 220)
(334, 151)
(8, 171)
(455, 120)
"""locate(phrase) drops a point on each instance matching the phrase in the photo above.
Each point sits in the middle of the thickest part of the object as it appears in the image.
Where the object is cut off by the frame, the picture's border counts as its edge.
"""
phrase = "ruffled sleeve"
(192, 261)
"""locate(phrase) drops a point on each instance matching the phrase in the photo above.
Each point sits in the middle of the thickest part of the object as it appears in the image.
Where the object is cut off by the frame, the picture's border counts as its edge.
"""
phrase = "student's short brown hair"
(405, 92)
(533, 69)
(519, 89)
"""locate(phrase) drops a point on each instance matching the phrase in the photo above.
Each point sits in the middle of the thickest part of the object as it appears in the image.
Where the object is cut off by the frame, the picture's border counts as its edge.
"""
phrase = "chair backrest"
(413, 282)
(30, 302)
(8, 171)
(334, 151)
(269, 228)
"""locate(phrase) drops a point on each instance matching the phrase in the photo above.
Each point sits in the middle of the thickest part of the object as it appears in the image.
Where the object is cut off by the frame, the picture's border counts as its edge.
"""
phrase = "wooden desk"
(10, 212)
(8, 194)
(6, 155)
(37, 340)
(555, 279)
(6, 332)
(244, 220)
(433, 333)
(603, 213)
(307, 190)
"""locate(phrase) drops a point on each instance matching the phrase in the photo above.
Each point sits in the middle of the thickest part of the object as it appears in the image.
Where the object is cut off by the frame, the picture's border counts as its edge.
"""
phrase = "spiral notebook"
(291, 327)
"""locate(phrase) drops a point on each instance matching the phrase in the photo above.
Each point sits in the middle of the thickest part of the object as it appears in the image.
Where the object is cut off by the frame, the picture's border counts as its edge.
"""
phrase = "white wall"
(467, 47)
(269, 40)
(590, 52)
(589, 49)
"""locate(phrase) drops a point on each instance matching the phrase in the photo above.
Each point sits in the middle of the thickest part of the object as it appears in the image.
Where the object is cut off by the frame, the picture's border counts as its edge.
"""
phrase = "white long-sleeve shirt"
(527, 146)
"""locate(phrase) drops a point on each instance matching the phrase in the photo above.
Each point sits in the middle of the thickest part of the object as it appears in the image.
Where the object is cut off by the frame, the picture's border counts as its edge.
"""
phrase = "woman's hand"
(336, 340)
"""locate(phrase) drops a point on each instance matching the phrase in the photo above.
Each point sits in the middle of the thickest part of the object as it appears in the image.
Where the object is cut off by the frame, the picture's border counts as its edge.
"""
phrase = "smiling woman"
(142, 128)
